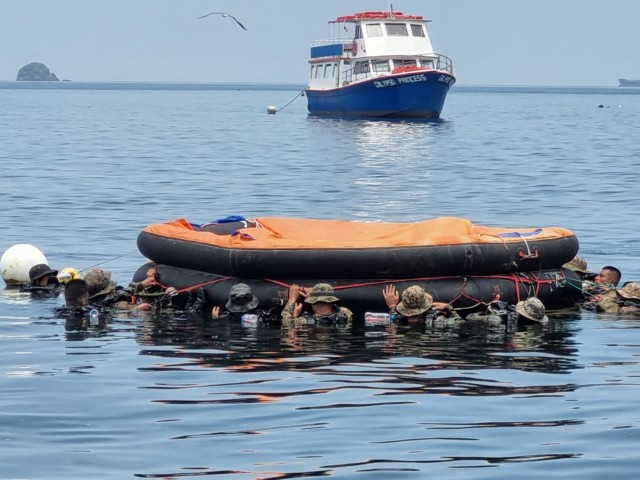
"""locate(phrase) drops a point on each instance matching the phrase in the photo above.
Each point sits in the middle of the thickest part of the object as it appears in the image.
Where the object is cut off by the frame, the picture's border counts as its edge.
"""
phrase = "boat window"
(311, 74)
(335, 70)
(427, 63)
(397, 29)
(358, 32)
(318, 69)
(380, 66)
(404, 62)
(361, 67)
(374, 30)
(327, 70)
(417, 30)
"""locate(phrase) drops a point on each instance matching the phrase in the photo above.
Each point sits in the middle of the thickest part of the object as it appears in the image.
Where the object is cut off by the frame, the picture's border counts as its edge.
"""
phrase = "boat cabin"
(372, 44)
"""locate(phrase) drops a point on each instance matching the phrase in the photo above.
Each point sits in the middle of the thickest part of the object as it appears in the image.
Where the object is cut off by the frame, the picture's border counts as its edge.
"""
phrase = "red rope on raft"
(511, 276)
(520, 280)
(186, 289)
(200, 285)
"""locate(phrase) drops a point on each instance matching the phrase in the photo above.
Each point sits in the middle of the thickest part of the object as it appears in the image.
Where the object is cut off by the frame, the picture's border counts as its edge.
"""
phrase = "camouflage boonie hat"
(631, 291)
(99, 282)
(322, 292)
(577, 264)
(241, 299)
(532, 308)
(414, 301)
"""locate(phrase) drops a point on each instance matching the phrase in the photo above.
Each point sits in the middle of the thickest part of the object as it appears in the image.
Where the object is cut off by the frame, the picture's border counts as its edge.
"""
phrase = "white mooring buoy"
(16, 262)
(271, 110)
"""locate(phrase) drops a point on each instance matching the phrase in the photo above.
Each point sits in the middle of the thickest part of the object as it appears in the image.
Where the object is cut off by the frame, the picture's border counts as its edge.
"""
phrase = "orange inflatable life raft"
(281, 247)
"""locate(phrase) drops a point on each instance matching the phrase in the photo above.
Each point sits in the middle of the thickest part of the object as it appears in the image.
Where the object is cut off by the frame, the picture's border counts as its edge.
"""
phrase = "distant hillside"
(36, 72)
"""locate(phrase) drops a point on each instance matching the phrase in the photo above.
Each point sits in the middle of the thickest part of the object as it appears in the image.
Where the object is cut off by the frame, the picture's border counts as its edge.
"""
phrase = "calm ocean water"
(86, 167)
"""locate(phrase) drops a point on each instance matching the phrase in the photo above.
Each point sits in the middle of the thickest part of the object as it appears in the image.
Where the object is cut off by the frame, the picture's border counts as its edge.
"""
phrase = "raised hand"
(391, 296)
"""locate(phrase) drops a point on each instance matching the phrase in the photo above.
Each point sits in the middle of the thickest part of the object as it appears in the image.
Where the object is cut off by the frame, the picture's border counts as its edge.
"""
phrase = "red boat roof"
(376, 16)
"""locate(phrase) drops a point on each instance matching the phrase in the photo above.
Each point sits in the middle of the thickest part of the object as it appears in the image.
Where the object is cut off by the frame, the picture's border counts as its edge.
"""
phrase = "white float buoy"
(16, 262)
(271, 109)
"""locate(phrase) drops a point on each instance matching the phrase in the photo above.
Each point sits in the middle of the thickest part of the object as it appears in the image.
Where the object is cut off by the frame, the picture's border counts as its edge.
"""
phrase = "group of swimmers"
(95, 290)
(600, 291)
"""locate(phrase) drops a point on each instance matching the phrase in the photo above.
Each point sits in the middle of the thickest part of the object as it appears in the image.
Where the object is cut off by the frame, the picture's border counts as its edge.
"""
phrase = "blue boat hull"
(410, 95)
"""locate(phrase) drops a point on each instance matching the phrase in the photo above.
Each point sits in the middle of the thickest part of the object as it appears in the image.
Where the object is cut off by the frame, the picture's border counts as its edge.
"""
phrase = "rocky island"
(36, 72)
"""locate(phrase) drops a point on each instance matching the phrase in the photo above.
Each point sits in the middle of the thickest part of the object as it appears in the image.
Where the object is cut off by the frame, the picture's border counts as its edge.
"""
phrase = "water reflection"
(14, 296)
(401, 392)
(196, 341)
(390, 164)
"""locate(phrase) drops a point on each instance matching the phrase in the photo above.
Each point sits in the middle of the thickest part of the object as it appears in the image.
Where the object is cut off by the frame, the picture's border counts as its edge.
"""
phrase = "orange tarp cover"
(295, 233)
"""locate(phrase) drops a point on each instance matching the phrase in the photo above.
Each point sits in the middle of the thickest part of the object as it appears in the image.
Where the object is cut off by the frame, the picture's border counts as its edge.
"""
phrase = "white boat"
(378, 64)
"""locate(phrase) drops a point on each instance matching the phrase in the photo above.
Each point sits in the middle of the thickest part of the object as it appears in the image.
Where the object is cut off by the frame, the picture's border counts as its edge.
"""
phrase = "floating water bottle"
(249, 320)
(93, 316)
(372, 319)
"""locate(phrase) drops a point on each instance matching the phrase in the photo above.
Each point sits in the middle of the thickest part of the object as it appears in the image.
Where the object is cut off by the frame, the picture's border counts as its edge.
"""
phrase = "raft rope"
(162, 296)
(523, 256)
(577, 284)
(525, 282)
(156, 277)
(107, 261)
(300, 94)
(529, 254)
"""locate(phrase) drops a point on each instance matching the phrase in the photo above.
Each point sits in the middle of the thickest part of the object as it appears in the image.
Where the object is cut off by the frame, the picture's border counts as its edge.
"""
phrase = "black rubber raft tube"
(366, 263)
(557, 288)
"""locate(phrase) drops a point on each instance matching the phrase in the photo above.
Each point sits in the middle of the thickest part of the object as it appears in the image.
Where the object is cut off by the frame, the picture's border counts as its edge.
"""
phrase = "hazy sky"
(491, 42)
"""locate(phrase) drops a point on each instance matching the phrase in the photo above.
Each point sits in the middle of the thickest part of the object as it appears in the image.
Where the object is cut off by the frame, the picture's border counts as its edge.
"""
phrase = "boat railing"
(440, 62)
(332, 41)
(444, 63)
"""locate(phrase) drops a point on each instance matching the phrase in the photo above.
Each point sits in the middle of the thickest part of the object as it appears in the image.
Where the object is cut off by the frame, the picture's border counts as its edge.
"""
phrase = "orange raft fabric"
(294, 233)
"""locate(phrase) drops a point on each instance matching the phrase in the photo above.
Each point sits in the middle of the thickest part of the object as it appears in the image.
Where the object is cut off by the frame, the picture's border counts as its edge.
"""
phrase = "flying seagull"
(224, 15)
